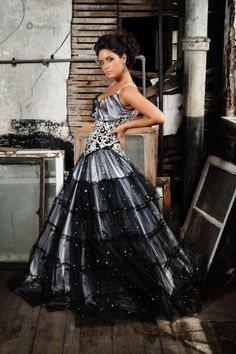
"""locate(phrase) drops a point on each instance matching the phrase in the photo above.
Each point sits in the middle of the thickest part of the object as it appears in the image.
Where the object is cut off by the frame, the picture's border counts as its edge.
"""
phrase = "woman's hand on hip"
(120, 134)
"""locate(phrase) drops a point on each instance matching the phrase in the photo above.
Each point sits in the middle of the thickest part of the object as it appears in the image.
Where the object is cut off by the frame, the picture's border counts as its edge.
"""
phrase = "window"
(29, 182)
(211, 205)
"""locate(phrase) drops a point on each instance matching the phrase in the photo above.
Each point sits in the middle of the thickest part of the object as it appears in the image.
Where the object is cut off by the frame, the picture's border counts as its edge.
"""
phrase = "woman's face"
(111, 63)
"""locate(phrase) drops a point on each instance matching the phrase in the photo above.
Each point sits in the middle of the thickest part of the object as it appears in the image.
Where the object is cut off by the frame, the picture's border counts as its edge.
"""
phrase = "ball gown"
(105, 251)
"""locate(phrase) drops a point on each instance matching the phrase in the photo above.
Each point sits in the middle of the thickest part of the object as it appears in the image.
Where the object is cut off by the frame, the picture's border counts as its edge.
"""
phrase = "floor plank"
(9, 319)
(50, 333)
(95, 340)
(28, 330)
(151, 340)
(167, 338)
(182, 334)
(104, 339)
(72, 336)
(127, 339)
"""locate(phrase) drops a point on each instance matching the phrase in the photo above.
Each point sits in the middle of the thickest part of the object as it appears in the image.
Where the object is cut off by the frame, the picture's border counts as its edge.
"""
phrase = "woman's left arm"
(152, 115)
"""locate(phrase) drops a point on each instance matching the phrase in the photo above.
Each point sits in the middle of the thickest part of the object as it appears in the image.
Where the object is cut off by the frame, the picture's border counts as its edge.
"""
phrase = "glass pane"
(50, 190)
(160, 194)
(50, 183)
(50, 168)
(202, 233)
(134, 150)
(19, 223)
(217, 192)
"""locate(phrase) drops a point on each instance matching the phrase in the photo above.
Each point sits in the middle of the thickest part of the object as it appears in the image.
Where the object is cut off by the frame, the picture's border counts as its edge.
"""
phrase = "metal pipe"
(143, 59)
(81, 59)
(160, 83)
(195, 47)
(44, 61)
(42, 194)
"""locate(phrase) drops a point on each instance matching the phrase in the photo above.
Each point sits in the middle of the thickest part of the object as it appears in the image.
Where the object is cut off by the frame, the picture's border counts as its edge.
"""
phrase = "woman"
(105, 251)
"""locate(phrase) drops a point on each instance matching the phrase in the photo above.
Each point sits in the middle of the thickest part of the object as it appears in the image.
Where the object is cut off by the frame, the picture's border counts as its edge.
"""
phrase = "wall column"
(195, 47)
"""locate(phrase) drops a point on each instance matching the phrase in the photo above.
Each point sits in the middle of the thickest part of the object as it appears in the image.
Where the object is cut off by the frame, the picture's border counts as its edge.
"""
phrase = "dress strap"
(125, 86)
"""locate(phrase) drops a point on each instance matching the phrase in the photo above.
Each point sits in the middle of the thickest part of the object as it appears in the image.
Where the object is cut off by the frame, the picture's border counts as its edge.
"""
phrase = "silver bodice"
(109, 114)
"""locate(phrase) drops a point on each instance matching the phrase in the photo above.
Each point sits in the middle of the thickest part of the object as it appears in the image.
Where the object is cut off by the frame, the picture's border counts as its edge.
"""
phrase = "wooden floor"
(25, 330)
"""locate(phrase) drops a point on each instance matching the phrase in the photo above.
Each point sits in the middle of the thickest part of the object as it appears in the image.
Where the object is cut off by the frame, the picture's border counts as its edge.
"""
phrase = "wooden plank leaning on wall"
(90, 19)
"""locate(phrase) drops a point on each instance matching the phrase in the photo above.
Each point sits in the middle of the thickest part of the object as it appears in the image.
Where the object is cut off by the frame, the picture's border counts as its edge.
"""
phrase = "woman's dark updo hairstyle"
(119, 43)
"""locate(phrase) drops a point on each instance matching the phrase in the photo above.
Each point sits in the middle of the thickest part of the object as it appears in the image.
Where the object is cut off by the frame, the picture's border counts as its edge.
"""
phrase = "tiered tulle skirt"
(105, 251)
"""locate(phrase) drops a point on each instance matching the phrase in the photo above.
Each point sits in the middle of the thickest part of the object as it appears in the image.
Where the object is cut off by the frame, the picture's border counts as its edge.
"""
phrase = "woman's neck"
(123, 78)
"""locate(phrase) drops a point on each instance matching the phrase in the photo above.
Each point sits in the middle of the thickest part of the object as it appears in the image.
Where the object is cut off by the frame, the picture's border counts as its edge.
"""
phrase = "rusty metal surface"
(15, 152)
(229, 94)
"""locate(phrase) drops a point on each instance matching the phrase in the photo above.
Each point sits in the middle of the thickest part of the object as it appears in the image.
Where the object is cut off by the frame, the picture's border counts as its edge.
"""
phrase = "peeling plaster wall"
(34, 93)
